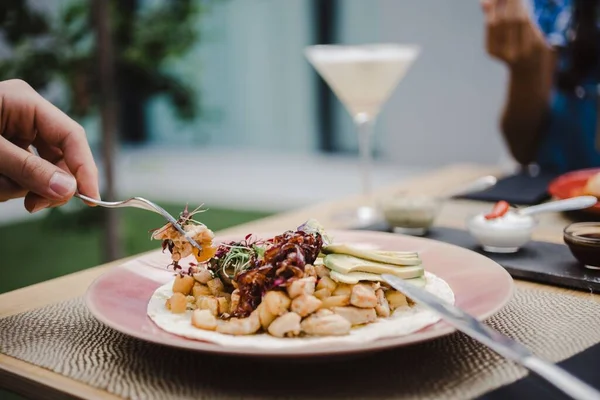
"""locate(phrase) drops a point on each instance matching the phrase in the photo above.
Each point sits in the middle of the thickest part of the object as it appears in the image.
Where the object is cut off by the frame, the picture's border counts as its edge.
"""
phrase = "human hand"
(63, 162)
(511, 35)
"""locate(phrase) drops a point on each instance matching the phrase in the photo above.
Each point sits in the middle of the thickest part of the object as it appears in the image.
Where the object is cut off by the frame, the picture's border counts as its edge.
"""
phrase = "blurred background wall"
(218, 105)
(259, 92)
(256, 90)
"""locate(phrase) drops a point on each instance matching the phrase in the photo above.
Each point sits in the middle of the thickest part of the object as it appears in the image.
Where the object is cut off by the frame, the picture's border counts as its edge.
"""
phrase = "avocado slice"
(346, 264)
(353, 278)
(400, 258)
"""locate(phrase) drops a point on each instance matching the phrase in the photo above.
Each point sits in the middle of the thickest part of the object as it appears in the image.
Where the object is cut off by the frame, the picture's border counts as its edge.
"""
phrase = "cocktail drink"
(363, 77)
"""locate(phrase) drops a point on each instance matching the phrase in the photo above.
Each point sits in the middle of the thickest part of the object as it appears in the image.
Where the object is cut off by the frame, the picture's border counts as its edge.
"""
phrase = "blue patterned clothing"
(569, 138)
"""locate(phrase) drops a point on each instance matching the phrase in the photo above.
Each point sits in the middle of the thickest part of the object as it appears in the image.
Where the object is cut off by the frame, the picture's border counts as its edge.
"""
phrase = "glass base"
(360, 217)
(505, 250)
(592, 267)
(411, 231)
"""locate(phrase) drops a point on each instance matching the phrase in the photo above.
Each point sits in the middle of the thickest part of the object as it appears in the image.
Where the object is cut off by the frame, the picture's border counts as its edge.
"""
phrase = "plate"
(119, 298)
(571, 184)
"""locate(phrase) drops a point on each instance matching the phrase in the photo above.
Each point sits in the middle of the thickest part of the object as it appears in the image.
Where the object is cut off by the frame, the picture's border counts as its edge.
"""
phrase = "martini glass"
(363, 77)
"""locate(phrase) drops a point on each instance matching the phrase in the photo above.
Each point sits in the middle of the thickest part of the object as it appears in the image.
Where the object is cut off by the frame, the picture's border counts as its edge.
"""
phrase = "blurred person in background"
(62, 161)
(552, 51)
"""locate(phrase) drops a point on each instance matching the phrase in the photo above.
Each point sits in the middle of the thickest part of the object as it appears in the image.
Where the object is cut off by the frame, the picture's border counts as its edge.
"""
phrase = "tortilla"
(403, 321)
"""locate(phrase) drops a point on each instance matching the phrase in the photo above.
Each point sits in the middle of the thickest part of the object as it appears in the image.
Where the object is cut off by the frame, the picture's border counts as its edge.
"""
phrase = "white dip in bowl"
(505, 234)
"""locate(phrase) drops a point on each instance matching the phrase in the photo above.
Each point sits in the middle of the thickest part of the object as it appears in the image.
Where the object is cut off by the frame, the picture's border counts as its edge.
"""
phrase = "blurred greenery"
(146, 41)
(66, 242)
(45, 47)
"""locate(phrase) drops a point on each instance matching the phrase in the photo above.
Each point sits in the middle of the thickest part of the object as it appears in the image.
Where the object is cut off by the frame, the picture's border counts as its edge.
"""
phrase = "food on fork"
(296, 284)
(179, 246)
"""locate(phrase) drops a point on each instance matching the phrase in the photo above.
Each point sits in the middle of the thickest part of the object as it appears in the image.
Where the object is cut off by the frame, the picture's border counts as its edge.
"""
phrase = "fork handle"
(118, 204)
(89, 199)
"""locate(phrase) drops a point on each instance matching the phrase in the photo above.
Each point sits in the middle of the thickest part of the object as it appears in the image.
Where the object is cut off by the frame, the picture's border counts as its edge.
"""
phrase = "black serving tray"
(543, 262)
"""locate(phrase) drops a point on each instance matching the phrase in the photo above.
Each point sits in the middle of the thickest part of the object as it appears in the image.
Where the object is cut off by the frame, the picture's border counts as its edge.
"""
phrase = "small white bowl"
(506, 234)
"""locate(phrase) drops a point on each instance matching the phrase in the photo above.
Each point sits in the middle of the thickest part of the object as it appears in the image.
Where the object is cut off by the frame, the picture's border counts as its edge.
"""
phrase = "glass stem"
(365, 131)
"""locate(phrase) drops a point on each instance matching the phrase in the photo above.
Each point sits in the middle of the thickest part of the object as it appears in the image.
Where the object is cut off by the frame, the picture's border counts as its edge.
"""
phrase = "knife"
(500, 343)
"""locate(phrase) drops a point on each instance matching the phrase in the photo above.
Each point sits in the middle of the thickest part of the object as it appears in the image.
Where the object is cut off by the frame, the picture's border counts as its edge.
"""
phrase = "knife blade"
(500, 343)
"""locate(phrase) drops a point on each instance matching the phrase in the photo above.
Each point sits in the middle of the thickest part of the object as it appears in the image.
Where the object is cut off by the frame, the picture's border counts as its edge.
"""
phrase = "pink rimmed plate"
(119, 298)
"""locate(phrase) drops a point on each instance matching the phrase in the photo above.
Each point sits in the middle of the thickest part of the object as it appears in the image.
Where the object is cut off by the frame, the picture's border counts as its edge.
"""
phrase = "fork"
(144, 204)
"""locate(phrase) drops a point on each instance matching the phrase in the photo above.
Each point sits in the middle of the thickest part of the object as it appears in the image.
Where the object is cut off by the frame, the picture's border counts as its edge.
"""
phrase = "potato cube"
(309, 270)
(322, 293)
(223, 305)
(200, 290)
(215, 286)
(276, 302)
(177, 303)
(396, 299)
(235, 299)
(342, 288)
(335, 301)
(226, 295)
(322, 271)
(208, 303)
(183, 284)
(326, 283)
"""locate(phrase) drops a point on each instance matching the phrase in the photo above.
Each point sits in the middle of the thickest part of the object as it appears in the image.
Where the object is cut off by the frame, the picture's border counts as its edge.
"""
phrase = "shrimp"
(276, 302)
(382, 307)
(240, 326)
(286, 325)
(204, 319)
(325, 324)
(301, 286)
(305, 304)
(203, 275)
(265, 316)
(363, 296)
(355, 315)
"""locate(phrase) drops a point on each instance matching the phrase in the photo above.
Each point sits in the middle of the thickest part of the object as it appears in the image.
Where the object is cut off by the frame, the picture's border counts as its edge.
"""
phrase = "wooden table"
(37, 382)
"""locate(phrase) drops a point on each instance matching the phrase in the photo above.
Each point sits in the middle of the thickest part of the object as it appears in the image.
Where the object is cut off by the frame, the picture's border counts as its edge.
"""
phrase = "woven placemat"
(65, 338)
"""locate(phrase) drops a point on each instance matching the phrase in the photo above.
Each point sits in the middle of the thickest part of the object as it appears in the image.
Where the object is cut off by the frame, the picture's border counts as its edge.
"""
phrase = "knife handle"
(560, 378)
(497, 341)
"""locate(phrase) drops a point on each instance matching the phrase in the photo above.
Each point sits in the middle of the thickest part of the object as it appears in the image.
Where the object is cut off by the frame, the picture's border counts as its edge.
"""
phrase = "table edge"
(14, 371)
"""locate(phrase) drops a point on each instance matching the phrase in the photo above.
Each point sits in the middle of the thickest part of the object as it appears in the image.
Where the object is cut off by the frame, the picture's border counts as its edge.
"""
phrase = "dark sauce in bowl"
(583, 239)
